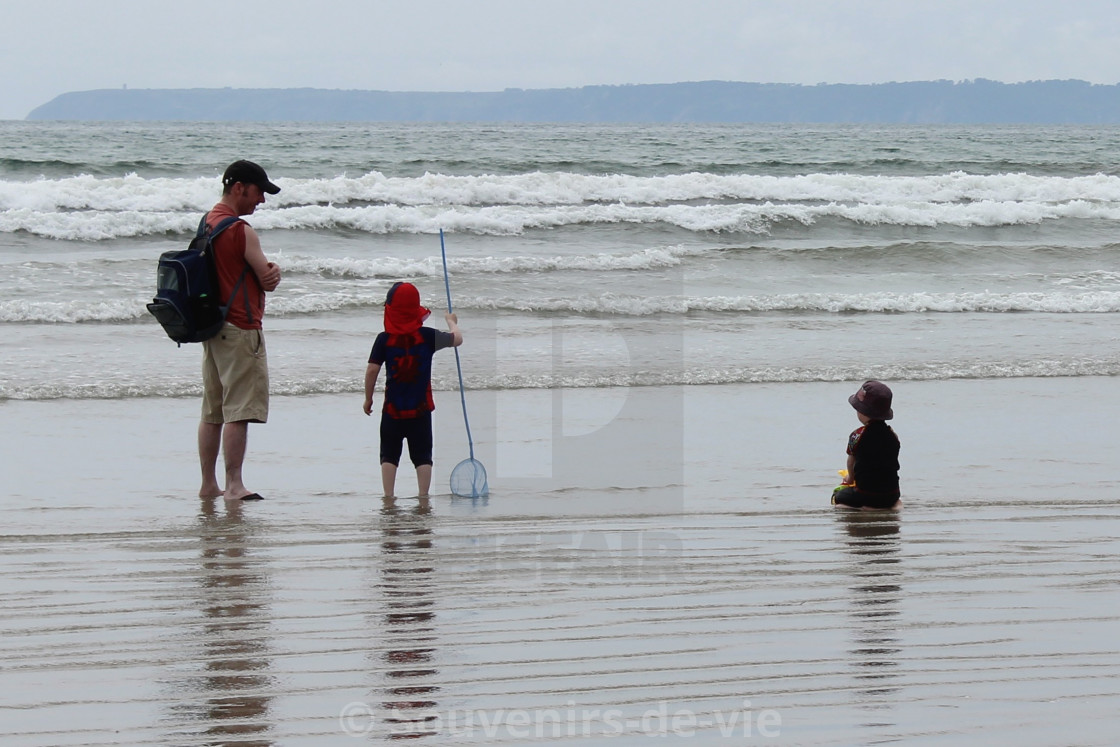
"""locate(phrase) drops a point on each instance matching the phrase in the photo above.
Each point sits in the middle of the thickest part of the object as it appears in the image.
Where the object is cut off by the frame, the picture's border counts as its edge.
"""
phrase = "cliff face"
(978, 101)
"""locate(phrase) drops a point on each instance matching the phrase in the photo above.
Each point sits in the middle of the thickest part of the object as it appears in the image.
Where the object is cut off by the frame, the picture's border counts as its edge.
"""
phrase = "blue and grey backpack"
(188, 303)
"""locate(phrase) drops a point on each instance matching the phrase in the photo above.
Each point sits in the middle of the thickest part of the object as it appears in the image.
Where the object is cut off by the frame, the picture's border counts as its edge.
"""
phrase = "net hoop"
(468, 479)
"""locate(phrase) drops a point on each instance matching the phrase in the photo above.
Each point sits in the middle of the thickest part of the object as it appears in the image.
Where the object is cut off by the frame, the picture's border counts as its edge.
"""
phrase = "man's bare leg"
(235, 439)
(209, 443)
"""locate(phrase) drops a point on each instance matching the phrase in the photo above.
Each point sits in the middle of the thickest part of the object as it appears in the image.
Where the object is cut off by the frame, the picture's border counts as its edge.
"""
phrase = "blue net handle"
(458, 364)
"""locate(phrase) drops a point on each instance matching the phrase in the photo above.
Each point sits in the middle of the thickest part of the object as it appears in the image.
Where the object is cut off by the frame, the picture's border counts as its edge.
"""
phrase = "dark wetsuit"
(874, 448)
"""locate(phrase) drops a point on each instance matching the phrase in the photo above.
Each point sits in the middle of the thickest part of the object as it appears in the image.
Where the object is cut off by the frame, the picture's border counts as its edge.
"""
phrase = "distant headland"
(922, 102)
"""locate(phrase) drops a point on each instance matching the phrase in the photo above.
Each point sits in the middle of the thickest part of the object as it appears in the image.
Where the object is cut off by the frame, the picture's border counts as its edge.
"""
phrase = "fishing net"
(468, 479)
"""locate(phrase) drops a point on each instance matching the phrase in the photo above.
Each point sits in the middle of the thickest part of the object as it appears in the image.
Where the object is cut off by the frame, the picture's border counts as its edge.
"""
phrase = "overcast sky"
(51, 47)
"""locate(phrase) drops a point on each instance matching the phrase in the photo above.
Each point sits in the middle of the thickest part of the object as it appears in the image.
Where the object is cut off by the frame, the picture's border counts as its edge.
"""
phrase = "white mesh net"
(468, 479)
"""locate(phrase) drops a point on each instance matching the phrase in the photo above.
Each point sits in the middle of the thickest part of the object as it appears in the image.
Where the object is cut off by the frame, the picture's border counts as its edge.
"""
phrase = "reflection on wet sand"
(874, 542)
(407, 584)
(233, 694)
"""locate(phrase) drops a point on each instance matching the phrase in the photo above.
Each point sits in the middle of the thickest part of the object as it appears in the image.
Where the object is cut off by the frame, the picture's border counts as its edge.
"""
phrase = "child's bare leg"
(424, 478)
(388, 478)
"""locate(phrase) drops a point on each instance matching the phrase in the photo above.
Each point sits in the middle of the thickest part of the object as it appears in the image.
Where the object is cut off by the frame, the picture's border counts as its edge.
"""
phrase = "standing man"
(234, 364)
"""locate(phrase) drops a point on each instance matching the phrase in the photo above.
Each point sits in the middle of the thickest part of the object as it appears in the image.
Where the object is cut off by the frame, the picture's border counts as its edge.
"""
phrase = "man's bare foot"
(210, 490)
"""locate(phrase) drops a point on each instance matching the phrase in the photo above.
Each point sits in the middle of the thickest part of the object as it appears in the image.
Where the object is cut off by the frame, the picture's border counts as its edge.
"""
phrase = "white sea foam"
(85, 208)
(73, 311)
(396, 267)
(516, 220)
(95, 225)
(46, 388)
(1093, 302)
(610, 304)
(562, 188)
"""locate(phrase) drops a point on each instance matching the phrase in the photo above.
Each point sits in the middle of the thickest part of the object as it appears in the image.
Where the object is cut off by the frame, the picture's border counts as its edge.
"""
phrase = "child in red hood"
(406, 348)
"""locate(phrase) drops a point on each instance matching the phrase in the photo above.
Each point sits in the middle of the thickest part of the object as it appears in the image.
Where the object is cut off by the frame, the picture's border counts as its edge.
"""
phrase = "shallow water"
(566, 609)
(430, 619)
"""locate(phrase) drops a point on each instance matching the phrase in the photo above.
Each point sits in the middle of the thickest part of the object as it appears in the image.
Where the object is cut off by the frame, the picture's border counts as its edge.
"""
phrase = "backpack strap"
(223, 225)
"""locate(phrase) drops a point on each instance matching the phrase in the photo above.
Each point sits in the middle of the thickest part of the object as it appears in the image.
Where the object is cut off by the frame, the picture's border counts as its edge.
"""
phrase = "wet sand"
(705, 593)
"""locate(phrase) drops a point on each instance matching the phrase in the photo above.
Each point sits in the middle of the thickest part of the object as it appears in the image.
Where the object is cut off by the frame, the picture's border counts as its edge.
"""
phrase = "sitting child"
(871, 481)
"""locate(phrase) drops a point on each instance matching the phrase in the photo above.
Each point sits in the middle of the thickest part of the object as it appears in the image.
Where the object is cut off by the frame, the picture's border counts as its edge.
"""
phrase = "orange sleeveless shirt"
(229, 254)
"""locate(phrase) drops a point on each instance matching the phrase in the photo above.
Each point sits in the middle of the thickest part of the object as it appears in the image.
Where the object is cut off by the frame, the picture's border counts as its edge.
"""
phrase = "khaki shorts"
(235, 376)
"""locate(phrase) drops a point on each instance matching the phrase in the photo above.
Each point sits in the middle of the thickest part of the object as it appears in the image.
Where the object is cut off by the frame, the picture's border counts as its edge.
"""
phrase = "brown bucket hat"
(874, 400)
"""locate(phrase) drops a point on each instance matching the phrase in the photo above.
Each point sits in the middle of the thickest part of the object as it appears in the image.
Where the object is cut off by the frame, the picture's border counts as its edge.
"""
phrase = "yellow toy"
(843, 483)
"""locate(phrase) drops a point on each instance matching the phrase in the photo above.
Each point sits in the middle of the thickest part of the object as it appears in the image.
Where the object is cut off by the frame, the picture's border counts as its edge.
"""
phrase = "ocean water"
(745, 253)
(663, 324)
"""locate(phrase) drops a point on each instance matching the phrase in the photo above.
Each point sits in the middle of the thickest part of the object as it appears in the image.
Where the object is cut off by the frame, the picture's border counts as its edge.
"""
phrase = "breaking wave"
(89, 208)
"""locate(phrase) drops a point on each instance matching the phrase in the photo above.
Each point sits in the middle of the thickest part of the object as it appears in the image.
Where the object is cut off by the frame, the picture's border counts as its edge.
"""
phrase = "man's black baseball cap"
(248, 172)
